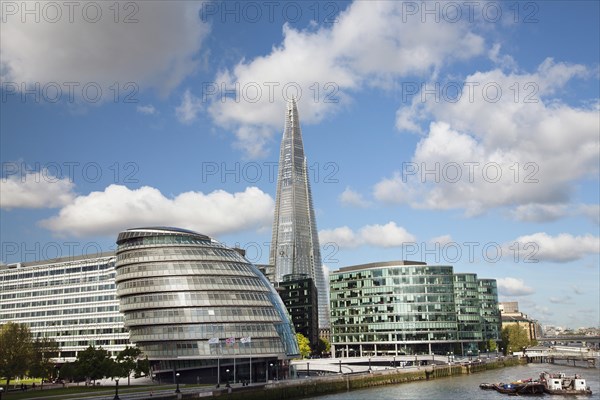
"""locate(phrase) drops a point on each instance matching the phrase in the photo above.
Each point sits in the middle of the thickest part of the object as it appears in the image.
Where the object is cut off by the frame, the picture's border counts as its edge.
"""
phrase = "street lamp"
(340, 366)
(177, 383)
(369, 364)
(116, 390)
(1, 390)
(271, 369)
(227, 372)
(394, 361)
(307, 369)
(470, 354)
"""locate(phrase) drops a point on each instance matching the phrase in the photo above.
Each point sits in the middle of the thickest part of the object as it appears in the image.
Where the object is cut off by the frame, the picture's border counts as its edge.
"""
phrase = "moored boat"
(560, 383)
(520, 388)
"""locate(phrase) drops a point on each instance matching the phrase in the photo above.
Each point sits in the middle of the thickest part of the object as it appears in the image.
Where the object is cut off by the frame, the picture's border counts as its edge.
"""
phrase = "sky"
(456, 133)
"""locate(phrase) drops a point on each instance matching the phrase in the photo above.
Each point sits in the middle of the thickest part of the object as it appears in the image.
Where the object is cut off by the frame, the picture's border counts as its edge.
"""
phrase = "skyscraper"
(295, 244)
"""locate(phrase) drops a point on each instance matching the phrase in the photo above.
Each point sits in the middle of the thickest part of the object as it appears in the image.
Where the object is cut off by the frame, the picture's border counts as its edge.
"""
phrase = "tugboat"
(563, 384)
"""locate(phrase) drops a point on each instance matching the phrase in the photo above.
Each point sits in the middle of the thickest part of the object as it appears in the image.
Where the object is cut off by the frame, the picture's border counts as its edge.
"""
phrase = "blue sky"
(448, 132)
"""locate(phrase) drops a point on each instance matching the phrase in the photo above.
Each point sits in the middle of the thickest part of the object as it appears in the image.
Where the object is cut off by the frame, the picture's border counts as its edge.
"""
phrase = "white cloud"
(35, 190)
(561, 248)
(442, 240)
(506, 153)
(147, 109)
(513, 287)
(350, 197)
(540, 212)
(155, 51)
(388, 235)
(118, 208)
(370, 45)
(189, 108)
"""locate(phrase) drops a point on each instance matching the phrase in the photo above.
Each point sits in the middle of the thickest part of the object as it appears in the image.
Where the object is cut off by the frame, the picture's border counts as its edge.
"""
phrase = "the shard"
(295, 245)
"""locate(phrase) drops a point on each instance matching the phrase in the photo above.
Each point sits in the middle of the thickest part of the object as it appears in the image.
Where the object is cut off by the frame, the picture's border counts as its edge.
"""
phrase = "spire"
(295, 244)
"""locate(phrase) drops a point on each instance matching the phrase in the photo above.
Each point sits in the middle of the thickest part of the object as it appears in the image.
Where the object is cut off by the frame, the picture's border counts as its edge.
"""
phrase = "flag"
(246, 339)
(230, 340)
(213, 340)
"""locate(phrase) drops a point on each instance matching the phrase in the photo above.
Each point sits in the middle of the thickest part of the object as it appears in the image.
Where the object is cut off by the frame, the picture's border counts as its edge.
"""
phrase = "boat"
(486, 386)
(560, 383)
(520, 388)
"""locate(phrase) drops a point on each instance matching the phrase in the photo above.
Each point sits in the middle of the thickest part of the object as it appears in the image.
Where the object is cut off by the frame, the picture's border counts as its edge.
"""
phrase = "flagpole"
(219, 366)
(250, 361)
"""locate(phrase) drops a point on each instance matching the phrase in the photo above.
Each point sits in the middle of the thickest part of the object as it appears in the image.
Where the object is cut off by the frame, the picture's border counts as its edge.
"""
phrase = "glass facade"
(187, 296)
(409, 307)
(490, 312)
(299, 295)
(295, 242)
(71, 300)
(468, 310)
(393, 308)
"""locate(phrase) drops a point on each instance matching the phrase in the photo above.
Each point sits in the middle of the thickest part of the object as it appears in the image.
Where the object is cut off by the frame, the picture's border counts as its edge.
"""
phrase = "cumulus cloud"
(189, 108)
(388, 235)
(513, 287)
(539, 212)
(504, 146)
(560, 248)
(151, 44)
(118, 207)
(369, 45)
(591, 211)
(352, 198)
(442, 240)
(147, 109)
(35, 190)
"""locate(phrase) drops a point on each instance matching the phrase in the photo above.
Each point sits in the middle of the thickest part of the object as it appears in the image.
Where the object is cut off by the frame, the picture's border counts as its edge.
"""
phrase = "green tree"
(44, 350)
(303, 344)
(323, 346)
(492, 346)
(128, 360)
(15, 350)
(514, 338)
(95, 364)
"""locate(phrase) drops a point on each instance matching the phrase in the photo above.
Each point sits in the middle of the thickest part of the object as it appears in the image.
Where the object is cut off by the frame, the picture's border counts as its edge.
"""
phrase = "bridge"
(570, 338)
(561, 353)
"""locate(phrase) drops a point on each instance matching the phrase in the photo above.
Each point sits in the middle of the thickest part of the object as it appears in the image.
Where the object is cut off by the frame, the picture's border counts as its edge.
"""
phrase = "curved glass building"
(199, 308)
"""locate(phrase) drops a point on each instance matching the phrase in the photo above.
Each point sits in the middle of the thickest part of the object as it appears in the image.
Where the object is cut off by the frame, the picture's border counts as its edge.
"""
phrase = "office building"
(510, 315)
(71, 300)
(409, 307)
(299, 294)
(200, 308)
(295, 242)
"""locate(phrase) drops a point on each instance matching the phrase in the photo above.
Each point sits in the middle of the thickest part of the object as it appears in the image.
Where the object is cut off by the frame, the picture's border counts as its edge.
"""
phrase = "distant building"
(199, 308)
(295, 243)
(409, 307)
(299, 295)
(511, 315)
(71, 300)
(268, 270)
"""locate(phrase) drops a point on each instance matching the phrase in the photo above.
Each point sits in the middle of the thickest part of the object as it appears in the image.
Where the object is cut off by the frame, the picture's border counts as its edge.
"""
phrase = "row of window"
(241, 297)
(57, 312)
(182, 268)
(55, 302)
(161, 253)
(61, 282)
(19, 274)
(53, 292)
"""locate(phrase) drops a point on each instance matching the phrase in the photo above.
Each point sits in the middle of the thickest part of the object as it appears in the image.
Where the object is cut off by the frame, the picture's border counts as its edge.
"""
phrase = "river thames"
(466, 387)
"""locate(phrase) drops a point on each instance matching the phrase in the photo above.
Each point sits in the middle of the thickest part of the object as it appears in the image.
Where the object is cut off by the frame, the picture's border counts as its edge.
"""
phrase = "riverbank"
(299, 388)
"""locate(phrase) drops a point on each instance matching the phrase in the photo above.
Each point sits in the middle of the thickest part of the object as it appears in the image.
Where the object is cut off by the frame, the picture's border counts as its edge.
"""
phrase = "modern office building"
(199, 308)
(295, 242)
(299, 294)
(409, 307)
(490, 311)
(71, 300)
(468, 312)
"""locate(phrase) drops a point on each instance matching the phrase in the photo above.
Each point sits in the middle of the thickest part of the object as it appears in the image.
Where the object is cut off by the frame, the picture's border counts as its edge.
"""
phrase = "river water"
(466, 387)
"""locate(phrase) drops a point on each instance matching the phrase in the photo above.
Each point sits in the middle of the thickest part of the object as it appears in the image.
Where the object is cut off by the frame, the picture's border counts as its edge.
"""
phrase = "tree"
(492, 346)
(15, 350)
(303, 344)
(95, 364)
(514, 338)
(323, 346)
(43, 350)
(128, 360)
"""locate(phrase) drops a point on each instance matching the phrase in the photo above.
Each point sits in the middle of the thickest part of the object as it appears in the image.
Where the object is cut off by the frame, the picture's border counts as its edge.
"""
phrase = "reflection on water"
(466, 387)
